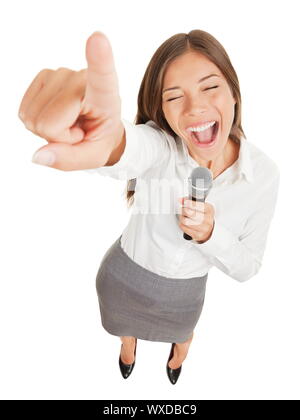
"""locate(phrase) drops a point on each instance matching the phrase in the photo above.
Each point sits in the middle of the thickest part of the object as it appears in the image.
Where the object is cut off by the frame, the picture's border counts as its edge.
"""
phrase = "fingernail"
(44, 157)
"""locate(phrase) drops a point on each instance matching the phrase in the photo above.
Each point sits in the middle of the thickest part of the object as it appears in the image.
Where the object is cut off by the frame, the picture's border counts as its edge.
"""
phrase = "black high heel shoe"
(173, 374)
(127, 369)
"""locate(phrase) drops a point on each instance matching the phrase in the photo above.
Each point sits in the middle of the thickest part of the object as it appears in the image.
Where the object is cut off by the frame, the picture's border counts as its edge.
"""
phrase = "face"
(193, 103)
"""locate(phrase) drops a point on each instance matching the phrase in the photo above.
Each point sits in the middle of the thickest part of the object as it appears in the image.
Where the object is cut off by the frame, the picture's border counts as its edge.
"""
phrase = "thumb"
(70, 157)
(102, 81)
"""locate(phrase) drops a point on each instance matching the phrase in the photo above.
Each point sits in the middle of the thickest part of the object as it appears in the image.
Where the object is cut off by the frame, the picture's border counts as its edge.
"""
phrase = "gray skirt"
(136, 302)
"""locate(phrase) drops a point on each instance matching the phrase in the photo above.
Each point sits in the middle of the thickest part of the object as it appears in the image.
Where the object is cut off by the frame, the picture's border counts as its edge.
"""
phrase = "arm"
(143, 146)
(241, 257)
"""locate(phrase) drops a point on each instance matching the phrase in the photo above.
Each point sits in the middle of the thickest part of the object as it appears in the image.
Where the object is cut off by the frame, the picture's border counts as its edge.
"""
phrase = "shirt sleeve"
(241, 257)
(146, 146)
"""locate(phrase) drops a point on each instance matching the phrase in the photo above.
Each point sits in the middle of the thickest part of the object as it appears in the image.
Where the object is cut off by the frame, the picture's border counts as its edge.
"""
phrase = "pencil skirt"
(136, 302)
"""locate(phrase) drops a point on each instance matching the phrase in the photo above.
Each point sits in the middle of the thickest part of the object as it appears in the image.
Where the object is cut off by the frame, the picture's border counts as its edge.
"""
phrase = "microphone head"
(200, 182)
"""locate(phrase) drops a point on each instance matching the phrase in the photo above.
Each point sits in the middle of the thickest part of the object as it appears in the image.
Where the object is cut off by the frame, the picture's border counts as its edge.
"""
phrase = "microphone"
(199, 185)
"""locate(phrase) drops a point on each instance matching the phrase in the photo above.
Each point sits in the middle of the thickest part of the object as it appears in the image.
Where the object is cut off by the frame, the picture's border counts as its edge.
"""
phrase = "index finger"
(101, 72)
(194, 205)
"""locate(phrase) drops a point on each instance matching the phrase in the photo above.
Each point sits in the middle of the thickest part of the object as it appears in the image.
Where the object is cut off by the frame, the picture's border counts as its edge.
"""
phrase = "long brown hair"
(150, 93)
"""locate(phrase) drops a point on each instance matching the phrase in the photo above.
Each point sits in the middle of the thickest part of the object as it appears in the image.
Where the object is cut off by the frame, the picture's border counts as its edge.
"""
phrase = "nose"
(196, 105)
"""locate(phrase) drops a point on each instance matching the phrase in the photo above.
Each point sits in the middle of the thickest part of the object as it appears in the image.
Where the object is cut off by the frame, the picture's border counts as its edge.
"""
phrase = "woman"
(151, 281)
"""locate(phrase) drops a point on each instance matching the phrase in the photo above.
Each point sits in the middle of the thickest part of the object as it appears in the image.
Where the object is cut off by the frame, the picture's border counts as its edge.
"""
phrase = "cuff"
(219, 242)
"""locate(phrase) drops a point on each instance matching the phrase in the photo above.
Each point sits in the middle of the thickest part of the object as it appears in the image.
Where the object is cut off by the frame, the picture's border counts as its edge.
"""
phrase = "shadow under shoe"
(124, 368)
(173, 374)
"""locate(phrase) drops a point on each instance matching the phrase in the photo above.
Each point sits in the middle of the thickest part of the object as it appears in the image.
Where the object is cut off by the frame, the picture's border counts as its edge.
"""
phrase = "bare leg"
(180, 353)
(127, 349)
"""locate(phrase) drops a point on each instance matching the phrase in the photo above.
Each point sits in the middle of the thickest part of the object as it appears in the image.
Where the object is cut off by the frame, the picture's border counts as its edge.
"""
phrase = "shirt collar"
(243, 165)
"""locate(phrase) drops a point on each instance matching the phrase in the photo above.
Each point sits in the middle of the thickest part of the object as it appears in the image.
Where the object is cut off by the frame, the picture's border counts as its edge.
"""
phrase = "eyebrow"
(199, 81)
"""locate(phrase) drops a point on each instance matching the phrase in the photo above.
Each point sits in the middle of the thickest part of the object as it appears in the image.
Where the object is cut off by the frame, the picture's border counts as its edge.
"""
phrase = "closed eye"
(213, 87)
(172, 99)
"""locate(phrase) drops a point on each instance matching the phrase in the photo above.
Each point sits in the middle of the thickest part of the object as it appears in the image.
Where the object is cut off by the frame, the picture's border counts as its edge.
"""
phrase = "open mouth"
(206, 142)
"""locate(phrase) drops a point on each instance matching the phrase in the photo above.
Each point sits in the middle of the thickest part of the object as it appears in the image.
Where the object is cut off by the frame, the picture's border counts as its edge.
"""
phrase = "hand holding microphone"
(197, 218)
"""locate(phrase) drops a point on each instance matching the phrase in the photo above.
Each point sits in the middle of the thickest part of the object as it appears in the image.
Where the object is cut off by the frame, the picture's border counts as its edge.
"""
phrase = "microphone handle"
(185, 235)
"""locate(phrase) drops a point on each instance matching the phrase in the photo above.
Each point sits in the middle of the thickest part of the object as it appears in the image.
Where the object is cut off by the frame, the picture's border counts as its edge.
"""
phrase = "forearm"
(229, 254)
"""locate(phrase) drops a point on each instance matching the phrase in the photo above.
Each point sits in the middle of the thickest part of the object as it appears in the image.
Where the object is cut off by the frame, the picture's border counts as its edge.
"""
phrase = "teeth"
(202, 128)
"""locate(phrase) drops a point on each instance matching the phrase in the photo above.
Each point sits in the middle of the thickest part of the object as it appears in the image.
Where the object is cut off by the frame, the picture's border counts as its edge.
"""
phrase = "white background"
(56, 226)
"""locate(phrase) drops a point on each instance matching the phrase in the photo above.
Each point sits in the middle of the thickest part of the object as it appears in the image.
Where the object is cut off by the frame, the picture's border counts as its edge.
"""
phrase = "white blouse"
(244, 198)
